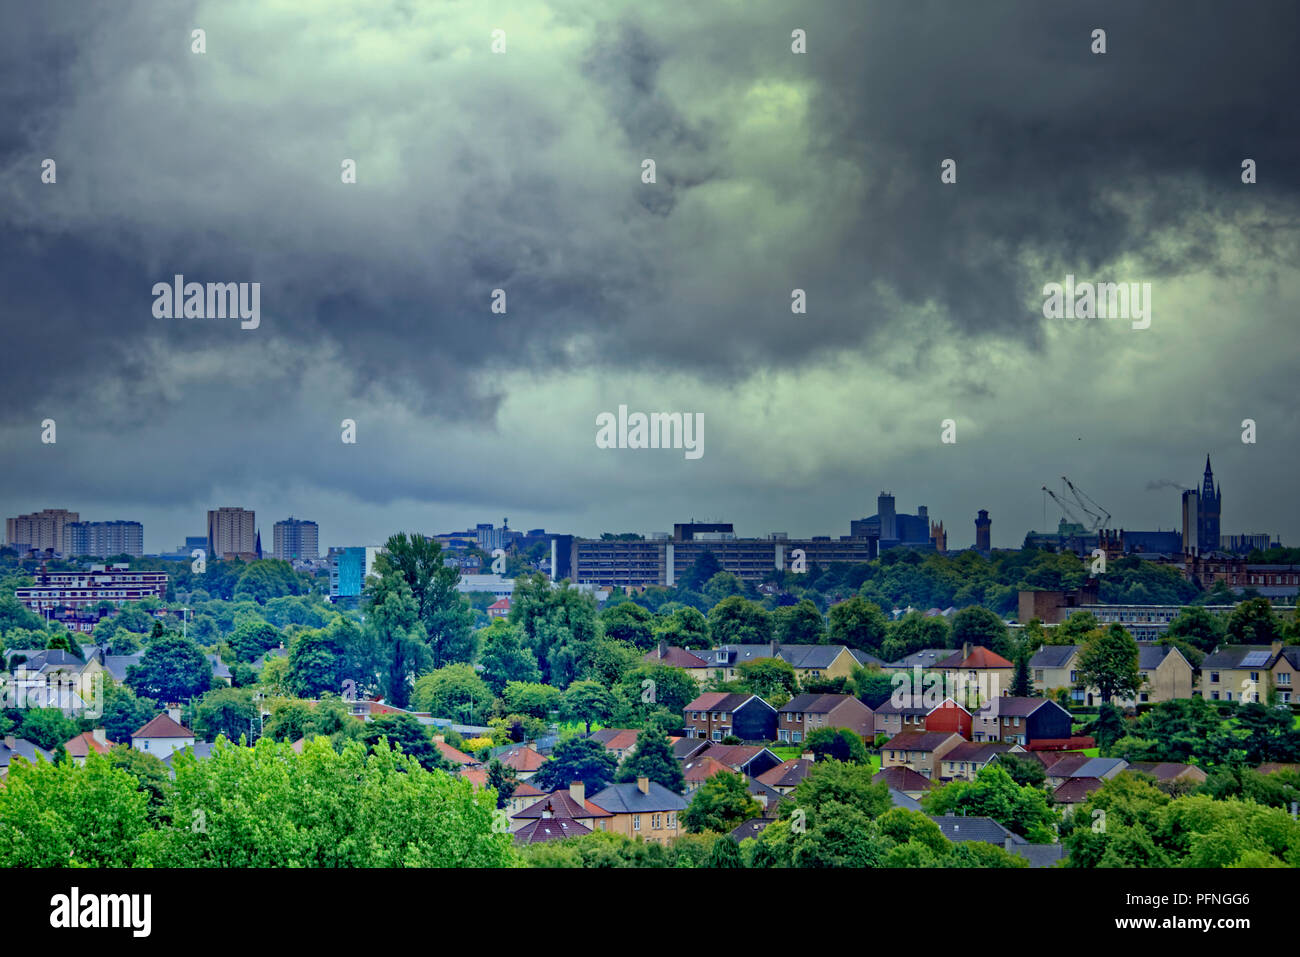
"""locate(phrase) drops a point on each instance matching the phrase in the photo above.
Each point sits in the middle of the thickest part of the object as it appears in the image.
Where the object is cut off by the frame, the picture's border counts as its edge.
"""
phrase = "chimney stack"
(776, 647)
(965, 650)
(100, 735)
(578, 791)
(11, 742)
(1276, 648)
(643, 785)
(174, 712)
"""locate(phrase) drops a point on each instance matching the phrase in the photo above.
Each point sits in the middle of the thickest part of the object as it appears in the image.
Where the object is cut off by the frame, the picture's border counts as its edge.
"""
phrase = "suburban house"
(1074, 792)
(1168, 771)
(922, 752)
(162, 735)
(768, 798)
(748, 759)
(499, 608)
(927, 659)
(810, 662)
(785, 777)
(458, 758)
(619, 742)
(807, 712)
(1166, 674)
(525, 759)
(20, 748)
(1021, 721)
(1082, 766)
(87, 741)
(903, 780)
(1251, 673)
(698, 770)
(641, 809)
(549, 828)
(891, 719)
(979, 673)
(950, 716)
(693, 663)
(567, 805)
(971, 757)
(956, 828)
(715, 715)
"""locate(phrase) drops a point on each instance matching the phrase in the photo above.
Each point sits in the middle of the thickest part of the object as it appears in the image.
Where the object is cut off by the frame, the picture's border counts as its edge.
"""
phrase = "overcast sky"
(522, 171)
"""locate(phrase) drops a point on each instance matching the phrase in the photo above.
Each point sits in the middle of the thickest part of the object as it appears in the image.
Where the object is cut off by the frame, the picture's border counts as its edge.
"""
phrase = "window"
(656, 822)
(783, 735)
(636, 822)
(1214, 677)
(1214, 696)
(1284, 678)
(672, 819)
(1254, 676)
(1074, 676)
(717, 735)
(796, 737)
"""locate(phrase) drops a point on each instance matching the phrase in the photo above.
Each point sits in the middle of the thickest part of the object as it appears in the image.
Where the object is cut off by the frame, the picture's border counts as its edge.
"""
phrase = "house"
(891, 718)
(569, 804)
(900, 799)
(452, 755)
(524, 759)
(20, 748)
(549, 828)
(1074, 792)
(1251, 673)
(1167, 771)
(202, 750)
(53, 678)
(1039, 855)
(927, 659)
(87, 741)
(978, 673)
(162, 735)
(619, 742)
(694, 664)
(751, 828)
(1166, 674)
(748, 759)
(1103, 769)
(768, 798)
(807, 712)
(699, 770)
(957, 828)
(971, 757)
(922, 752)
(499, 608)
(952, 717)
(686, 748)
(220, 670)
(903, 780)
(643, 809)
(810, 662)
(1020, 721)
(785, 777)
(715, 715)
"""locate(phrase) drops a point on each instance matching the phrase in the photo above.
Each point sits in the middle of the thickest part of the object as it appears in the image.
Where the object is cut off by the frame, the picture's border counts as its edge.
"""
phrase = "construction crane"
(1094, 515)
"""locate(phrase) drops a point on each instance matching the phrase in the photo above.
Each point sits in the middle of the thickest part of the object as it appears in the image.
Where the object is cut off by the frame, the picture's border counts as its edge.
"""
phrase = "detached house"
(715, 715)
(163, 735)
(1251, 673)
(808, 712)
(1022, 721)
(921, 752)
(644, 809)
(695, 664)
(785, 777)
(810, 662)
(1166, 674)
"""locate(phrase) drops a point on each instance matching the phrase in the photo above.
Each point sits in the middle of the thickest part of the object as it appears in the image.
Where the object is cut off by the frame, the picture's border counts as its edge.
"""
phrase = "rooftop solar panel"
(1255, 658)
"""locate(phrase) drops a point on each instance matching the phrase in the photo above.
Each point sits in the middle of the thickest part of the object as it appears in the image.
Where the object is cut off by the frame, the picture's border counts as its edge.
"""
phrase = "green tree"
(505, 657)
(577, 759)
(503, 780)
(251, 640)
(1108, 661)
(588, 702)
(172, 669)
(721, 803)
(1198, 627)
(858, 624)
(725, 853)
(839, 744)
(685, 627)
(980, 626)
(704, 568)
(629, 622)
(228, 711)
(1253, 622)
(799, 624)
(445, 616)
(531, 698)
(653, 759)
(994, 793)
(739, 621)
(454, 691)
(47, 728)
(404, 731)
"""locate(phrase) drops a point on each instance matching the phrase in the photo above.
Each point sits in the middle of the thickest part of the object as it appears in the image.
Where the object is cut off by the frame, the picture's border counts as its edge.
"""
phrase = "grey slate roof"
(24, 748)
(1099, 767)
(957, 828)
(1039, 855)
(116, 665)
(1052, 656)
(751, 828)
(1230, 656)
(628, 799)
(902, 800)
(926, 658)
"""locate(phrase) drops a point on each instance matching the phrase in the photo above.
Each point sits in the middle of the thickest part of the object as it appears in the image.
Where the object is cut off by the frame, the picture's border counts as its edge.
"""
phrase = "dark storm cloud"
(522, 172)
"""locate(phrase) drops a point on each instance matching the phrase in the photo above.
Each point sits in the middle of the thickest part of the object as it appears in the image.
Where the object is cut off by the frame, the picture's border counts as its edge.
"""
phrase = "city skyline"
(806, 274)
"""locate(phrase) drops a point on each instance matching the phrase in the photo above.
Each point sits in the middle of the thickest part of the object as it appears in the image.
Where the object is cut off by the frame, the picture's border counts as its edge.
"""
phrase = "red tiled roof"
(162, 726)
(903, 779)
(475, 776)
(452, 755)
(523, 759)
(787, 774)
(83, 744)
(550, 829)
(979, 657)
(501, 604)
(675, 657)
(562, 805)
(701, 769)
(1075, 790)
